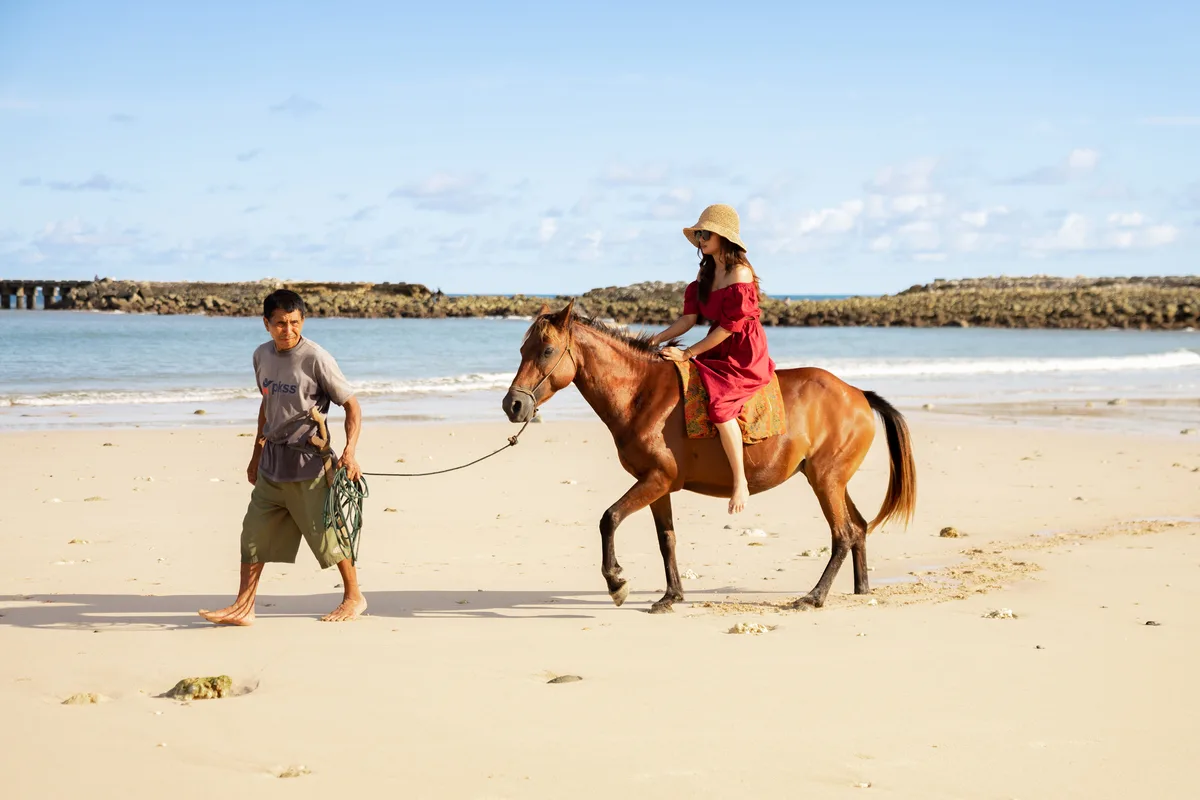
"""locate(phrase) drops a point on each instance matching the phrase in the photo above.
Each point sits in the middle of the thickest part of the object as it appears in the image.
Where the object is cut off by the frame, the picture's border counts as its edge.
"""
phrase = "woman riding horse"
(732, 359)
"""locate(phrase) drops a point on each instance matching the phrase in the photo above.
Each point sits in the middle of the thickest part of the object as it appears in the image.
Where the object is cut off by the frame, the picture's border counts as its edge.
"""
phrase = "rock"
(1152, 623)
(1120, 401)
(752, 628)
(82, 699)
(928, 406)
(78, 541)
(757, 533)
(1028, 302)
(1000, 613)
(390, 510)
(202, 688)
(294, 772)
(565, 679)
(950, 533)
(1189, 431)
(199, 412)
(688, 575)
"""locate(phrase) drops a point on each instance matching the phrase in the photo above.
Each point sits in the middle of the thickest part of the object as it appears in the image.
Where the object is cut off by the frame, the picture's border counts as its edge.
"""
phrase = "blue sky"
(555, 147)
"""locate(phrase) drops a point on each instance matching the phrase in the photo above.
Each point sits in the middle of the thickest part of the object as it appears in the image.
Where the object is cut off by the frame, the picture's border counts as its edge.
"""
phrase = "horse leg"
(640, 495)
(833, 504)
(665, 525)
(858, 547)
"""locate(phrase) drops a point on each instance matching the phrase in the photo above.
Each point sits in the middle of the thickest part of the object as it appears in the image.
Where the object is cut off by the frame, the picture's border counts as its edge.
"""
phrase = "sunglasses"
(703, 236)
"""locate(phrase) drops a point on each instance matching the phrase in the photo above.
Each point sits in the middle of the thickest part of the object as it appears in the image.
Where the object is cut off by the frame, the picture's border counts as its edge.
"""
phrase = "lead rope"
(343, 503)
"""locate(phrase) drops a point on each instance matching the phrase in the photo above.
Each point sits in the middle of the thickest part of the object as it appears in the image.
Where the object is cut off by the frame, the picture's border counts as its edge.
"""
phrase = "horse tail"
(901, 499)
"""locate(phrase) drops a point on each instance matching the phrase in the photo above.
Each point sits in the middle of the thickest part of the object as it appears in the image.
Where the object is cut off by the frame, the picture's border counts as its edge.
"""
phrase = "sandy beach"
(484, 585)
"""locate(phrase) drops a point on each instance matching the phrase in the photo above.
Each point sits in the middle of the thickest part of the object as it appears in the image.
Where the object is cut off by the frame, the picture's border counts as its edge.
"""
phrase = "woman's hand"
(675, 354)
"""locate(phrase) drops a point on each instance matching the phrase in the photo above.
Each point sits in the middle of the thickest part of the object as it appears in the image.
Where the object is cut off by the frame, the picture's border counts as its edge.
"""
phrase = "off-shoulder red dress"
(739, 366)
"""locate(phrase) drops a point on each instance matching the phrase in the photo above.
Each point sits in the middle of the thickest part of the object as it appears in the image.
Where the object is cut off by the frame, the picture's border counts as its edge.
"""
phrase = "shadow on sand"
(127, 612)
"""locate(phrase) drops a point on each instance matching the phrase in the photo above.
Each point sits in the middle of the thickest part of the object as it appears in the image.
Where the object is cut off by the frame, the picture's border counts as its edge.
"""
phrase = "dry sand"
(485, 584)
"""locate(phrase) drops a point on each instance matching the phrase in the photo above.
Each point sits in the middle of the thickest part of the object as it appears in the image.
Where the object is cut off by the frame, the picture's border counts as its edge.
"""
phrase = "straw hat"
(721, 220)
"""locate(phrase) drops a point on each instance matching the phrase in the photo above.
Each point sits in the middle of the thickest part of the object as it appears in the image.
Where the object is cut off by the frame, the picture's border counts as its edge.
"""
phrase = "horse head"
(546, 364)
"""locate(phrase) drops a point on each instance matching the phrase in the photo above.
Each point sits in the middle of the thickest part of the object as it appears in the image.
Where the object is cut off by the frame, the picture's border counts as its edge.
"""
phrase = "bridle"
(532, 393)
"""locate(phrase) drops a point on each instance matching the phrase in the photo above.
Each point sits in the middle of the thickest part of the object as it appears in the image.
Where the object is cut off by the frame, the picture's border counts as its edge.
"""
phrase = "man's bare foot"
(232, 615)
(737, 503)
(350, 608)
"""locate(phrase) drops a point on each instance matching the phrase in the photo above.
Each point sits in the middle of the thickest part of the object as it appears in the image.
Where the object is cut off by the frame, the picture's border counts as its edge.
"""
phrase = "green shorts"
(280, 514)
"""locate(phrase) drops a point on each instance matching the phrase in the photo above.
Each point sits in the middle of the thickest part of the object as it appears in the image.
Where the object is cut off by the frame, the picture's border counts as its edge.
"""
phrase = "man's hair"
(283, 300)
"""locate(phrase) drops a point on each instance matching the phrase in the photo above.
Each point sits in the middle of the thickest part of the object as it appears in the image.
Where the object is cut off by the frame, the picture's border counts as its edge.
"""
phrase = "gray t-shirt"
(292, 383)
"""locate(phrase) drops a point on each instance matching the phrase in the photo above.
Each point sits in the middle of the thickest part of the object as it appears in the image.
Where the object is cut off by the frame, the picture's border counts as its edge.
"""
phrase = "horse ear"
(563, 318)
(545, 310)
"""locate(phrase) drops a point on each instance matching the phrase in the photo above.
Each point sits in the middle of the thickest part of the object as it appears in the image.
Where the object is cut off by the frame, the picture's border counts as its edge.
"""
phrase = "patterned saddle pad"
(762, 417)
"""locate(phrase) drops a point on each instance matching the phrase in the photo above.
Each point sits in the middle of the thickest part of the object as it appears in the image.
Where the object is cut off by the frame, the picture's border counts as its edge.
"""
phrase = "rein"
(343, 503)
(512, 440)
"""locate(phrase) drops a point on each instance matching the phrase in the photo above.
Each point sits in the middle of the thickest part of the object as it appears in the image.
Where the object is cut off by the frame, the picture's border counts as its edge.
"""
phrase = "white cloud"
(756, 210)
(914, 177)
(830, 220)
(982, 217)
(1082, 160)
(1159, 235)
(444, 191)
(1123, 231)
(626, 175)
(1072, 234)
(1079, 162)
(881, 244)
(1132, 219)
(673, 204)
(547, 229)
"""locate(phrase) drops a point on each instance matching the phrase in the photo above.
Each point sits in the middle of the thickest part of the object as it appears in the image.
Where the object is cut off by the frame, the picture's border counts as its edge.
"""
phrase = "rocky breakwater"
(1036, 302)
(1168, 303)
(322, 299)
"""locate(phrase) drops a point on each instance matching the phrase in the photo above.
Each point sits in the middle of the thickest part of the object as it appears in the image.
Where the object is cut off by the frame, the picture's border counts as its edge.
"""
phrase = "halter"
(531, 393)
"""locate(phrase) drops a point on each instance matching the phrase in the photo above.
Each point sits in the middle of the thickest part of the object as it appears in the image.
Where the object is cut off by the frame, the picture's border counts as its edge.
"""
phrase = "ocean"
(86, 369)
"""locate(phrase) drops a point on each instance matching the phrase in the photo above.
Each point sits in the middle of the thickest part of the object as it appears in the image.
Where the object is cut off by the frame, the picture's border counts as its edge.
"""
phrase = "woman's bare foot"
(350, 608)
(737, 503)
(236, 614)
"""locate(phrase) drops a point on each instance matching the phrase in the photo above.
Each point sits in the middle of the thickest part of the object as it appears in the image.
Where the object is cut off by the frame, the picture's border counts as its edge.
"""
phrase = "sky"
(557, 147)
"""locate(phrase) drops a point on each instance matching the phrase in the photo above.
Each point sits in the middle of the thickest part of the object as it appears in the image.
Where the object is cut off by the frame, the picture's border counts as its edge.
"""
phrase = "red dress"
(739, 366)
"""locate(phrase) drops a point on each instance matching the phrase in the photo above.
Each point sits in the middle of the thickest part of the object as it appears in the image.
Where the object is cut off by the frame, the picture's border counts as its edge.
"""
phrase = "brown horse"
(830, 428)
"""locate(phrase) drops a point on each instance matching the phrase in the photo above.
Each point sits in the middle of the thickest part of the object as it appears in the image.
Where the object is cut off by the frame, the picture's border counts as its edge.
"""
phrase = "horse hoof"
(662, 608)
(620, 595)
(806, 603)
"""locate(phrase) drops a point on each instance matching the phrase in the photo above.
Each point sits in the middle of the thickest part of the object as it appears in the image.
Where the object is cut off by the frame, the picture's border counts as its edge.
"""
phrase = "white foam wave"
(845, 368)
(457, 383)
(857, 368)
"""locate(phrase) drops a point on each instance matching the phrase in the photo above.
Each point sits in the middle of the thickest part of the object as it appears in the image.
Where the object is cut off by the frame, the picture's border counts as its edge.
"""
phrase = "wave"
(857, 368)
(472, 382)
(454, 384)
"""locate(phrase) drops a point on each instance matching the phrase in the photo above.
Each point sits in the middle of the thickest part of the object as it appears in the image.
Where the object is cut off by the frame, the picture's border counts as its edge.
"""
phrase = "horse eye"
(548, 352)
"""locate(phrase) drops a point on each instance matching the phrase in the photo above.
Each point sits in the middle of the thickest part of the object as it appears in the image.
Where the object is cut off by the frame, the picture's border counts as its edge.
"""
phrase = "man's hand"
(252, 470)
(353, 470)
(674, 354)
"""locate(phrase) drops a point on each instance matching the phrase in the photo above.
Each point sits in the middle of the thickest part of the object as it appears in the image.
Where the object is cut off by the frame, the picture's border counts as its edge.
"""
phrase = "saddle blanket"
(762, 417)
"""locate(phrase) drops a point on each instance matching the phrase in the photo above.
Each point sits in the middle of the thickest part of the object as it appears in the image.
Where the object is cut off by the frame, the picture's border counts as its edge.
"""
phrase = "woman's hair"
(733, 255)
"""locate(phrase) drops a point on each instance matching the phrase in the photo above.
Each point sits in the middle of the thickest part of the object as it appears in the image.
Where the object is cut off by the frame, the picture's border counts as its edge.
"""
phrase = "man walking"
(294, 375)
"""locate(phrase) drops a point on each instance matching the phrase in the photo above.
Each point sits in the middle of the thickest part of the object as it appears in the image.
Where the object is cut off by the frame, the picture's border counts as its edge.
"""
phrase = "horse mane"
(637, 342)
